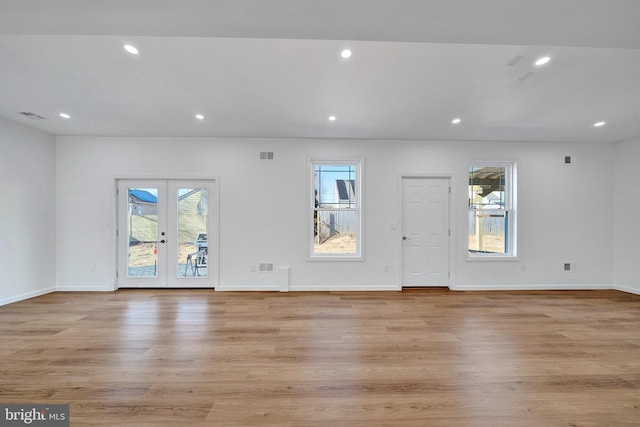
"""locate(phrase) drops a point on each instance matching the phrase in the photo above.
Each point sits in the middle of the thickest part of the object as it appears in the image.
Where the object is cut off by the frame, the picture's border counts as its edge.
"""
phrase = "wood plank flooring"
(412, 358)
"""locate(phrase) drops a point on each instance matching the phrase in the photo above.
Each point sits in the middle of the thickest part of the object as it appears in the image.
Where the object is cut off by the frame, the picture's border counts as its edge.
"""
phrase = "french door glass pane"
(193, 251)
(143, 232)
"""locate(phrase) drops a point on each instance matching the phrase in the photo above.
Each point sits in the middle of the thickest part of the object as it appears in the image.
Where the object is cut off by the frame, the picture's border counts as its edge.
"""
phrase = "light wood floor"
(414, 358)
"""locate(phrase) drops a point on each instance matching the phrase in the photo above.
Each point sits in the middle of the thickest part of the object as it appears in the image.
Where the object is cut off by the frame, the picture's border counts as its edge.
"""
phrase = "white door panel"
(425, 231)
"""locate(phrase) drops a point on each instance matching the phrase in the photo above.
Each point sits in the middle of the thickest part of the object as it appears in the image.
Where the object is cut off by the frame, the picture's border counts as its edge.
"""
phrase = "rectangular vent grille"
(567, 159)
(526, 76)
(31, 115)
(515, 60)
(265, 267)
(567, 266)
(266, 155)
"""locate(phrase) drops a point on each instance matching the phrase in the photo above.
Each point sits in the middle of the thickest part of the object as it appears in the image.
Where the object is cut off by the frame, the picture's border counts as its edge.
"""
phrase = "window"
(335, 201)
(492, 210)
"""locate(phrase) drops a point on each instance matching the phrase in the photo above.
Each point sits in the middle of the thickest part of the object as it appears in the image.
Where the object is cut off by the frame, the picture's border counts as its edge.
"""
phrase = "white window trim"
(360, 168)
(511, 200)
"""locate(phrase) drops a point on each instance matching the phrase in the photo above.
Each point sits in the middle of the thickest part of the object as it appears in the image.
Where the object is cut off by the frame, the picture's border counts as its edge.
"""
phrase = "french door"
(167, 233)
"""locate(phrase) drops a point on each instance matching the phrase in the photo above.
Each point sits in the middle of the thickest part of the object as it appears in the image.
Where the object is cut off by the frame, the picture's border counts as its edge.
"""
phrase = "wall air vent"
(570, 160)
(32, 116)
(266, 155)
(265, 267)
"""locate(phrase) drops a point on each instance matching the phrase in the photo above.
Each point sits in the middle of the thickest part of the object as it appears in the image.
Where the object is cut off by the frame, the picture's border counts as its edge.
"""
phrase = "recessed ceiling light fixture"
(542, 61)
(131, 49)
(199, 117)
(332, 118)
(64, 115)
(346, 53)
(599, 124)
(456, 121)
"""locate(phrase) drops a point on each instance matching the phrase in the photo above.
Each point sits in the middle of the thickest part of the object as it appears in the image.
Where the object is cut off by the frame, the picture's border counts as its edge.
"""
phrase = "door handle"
(405, 238)
(163, 241)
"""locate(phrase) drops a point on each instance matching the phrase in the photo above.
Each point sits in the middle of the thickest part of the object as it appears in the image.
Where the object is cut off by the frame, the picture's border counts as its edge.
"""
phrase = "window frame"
(510, 209)
(358, 164)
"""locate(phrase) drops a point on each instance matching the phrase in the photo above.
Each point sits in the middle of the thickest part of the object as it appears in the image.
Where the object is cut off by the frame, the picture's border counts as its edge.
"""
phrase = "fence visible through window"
(335, 209)
(490, 215)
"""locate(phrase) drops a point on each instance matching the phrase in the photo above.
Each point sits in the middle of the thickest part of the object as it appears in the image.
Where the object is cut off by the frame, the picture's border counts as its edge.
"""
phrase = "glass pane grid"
(335, 209)
(488, 210)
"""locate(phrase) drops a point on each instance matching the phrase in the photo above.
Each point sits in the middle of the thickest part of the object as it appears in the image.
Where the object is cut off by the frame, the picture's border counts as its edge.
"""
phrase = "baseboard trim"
(245, 288)
(333, 288)
(549, 287)
(307, 288)
(84, 288)
(627, 289)
(343, 288)
(26, 295)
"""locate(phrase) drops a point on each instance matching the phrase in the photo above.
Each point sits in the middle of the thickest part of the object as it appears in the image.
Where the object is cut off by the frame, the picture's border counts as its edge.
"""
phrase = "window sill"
(492, 258)
(336, 258)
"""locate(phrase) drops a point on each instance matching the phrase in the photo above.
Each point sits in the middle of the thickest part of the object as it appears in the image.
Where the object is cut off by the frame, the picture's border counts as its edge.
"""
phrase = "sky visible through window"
(325, 180)
(154, 191)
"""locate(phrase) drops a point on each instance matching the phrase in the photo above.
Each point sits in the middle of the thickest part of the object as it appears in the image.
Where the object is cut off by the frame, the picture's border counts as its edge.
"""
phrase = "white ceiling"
(272, 68)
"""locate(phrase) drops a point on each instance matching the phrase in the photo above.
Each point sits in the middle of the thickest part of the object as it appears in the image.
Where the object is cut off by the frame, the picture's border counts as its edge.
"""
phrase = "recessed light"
(199, 117)
(346, 53)
(332, 118)
(543, 60)
(131, 49)
(599, 124)
(64, 115)
(456, 121)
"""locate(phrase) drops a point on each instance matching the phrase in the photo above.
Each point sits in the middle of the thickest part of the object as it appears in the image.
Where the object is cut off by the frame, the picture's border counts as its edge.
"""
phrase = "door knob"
(405, 238)
(163, 241)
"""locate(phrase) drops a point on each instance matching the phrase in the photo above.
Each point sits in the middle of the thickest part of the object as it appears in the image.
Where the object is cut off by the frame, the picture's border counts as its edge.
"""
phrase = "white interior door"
(167, 234)
(425, 231)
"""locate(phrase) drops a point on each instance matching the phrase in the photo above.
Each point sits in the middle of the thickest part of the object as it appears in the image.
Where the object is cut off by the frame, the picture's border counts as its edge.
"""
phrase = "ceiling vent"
(515, 60)
(32, 116)
(526, 76)
(266, 155)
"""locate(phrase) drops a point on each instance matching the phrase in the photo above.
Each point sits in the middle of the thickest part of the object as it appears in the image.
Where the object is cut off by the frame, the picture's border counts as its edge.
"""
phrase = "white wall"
(627, 216)
(565, 211)
(27, 212)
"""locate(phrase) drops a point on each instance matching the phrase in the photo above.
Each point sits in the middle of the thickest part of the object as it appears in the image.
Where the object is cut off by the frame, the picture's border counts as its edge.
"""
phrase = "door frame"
(214, 231)
(451, 209)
